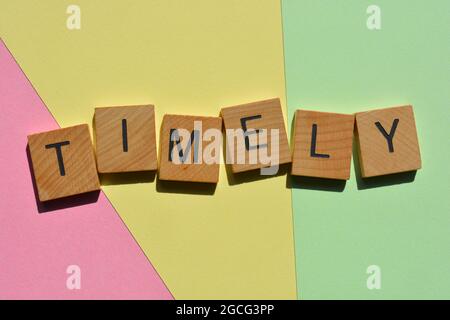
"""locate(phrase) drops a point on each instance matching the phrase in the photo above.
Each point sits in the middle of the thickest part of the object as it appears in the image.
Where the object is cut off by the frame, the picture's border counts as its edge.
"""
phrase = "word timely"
(65, 164)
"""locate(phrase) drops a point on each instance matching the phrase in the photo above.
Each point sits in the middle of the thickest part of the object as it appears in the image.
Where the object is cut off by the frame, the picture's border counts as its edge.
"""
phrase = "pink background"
(38, 242)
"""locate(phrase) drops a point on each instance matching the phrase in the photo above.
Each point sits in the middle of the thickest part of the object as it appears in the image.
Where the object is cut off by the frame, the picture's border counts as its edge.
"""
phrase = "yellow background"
(186, 57)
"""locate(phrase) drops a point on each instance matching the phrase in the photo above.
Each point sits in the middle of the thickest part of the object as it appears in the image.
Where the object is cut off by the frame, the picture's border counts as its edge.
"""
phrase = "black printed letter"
(182, 154)
(124, 135)
(248, 147)
(313, 144)
(389, 137)
(59, 155)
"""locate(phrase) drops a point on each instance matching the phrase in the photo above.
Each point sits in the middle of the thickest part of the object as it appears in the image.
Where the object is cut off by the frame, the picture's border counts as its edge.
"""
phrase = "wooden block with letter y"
(125, 139)
(322, 144)
(257, 121)
(190, 148)
(388, 141)
(63, 162)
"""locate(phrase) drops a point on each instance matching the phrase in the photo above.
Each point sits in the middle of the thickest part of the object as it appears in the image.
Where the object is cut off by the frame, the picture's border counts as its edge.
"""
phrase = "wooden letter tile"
(63, 162)
(387, 141)
(322, 144)
(251, 118)
(125, 139)
(182, 158)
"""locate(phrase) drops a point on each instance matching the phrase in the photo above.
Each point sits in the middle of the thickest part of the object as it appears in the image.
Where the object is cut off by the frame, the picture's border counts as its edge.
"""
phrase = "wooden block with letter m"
(190, 148)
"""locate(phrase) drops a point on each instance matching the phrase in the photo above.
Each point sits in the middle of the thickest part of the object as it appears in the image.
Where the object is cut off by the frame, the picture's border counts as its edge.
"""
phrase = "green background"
(333, 62)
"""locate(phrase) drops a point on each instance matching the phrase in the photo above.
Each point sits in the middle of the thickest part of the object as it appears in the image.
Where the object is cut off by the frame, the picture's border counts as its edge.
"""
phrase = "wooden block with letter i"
(322, 144)
(388, 141)
(125, 139)
(63, 162)
(190, 148)
(264, 137)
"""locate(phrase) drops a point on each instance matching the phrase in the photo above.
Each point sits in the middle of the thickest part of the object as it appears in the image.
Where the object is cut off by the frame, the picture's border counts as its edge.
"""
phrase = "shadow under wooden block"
(379, 181)
(185, 187)
(107, 179)
(253, 175)
(62, 203)
(311, 183)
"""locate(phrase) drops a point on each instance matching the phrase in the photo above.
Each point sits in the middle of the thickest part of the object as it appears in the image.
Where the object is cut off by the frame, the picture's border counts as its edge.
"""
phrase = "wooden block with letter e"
(322, 144)
(388, 141)
(190, 148)
(63, 162)
(125, 139)
(263, 134)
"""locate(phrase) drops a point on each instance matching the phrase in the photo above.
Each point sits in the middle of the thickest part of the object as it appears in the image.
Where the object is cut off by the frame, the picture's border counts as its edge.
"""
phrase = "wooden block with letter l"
(322, 144)
(388, 141)
(63, 162)
(125, 139)
(190, 148)
(256, 120)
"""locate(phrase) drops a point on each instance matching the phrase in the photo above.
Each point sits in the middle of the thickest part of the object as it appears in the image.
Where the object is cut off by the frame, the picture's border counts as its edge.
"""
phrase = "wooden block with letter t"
(256, 120)
(125, 139)
(63, 162)
(388, 141)
(322, 144)
(190, 148)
